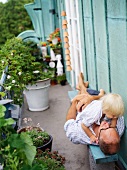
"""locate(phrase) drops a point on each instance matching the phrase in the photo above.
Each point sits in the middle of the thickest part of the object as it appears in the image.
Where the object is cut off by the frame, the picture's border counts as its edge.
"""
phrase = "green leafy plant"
(52, 160)
(21, 68)
(38, 135)
(61, 78)
(56, 46)
(43, 44)
(55, 34)
(16, 150)
(18, 153)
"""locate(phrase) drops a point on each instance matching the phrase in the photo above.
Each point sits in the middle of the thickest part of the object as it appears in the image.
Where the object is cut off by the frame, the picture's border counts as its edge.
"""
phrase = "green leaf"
(24, 143)
(2, 110)
(6, 122)
(9, 121)
(30, 152)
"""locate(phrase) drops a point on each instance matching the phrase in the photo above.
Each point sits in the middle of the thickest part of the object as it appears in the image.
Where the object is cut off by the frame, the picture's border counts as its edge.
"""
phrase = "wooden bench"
(98, 156)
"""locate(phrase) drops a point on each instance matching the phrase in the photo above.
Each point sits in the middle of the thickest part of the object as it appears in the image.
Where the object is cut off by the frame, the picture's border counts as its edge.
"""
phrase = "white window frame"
(73, 26)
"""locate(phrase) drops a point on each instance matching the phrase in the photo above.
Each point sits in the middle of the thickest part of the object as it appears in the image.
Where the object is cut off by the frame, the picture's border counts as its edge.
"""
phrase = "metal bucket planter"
(37, 95)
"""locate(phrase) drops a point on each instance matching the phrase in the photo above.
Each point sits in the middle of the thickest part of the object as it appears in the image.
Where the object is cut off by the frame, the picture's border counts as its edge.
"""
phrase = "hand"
(78, 97)
(87, 99)
(93, 139)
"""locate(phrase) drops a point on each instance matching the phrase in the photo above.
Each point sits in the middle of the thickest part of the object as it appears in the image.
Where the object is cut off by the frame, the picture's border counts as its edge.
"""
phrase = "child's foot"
(102, 92)
(81, 82)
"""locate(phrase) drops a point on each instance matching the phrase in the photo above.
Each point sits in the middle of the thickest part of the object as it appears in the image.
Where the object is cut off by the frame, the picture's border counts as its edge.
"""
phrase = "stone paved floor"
(52, 120)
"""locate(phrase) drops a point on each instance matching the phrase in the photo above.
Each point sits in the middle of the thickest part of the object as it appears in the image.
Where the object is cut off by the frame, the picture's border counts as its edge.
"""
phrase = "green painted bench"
(98, 156)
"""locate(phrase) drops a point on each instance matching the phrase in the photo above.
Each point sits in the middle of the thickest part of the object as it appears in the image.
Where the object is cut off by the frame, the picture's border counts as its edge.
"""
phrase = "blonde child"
(108, 108)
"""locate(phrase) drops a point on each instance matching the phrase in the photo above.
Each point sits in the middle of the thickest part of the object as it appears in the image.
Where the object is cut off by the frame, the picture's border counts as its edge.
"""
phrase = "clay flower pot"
(69, 68)
(66, 45)
(68, 63)
(67, 57)
(64, 22)
(63, 13)
(67, 51)
(66, 39)
(65, 34)
(64, 26)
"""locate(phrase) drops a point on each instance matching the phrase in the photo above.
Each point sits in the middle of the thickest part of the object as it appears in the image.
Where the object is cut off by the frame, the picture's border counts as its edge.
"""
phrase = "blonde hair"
(113, 104)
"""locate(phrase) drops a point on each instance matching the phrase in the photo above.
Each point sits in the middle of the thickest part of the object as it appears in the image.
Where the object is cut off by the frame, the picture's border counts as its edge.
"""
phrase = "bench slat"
(100, 157)
(72, 94)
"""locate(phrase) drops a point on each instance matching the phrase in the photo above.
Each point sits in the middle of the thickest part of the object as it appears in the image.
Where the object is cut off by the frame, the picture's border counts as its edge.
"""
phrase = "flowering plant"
(21, 68)
(52, 160)
(55, 34)
(56, 46)
(35, 132)
(43, 44)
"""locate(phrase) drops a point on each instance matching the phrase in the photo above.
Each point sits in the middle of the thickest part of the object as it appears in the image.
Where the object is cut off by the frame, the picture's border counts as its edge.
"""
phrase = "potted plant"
(61, 79)
(23, 72)
(17, 151)
(56, 48)
(51, 160)
(40, 138)
(47, 58)
(55, 36)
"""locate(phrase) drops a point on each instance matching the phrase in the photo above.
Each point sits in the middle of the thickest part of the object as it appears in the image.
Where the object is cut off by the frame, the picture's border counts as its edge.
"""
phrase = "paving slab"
(52, 120)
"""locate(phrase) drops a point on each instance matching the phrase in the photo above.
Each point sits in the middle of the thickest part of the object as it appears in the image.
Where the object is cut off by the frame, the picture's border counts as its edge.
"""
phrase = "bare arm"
(72, 111)
(85, 99)
(113, 122)
(92, 137)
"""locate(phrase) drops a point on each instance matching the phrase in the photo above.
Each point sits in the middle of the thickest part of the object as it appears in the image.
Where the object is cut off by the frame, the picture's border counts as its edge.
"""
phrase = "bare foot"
(102, 92)
(81, 82)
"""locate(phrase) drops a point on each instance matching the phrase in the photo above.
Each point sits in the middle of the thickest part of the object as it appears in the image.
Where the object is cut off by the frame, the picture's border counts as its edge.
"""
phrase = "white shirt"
(76, 134)
(91, 114)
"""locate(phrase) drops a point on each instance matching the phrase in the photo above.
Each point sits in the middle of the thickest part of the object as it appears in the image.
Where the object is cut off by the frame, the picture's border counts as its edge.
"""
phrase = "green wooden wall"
(43, 17)
(104, 27)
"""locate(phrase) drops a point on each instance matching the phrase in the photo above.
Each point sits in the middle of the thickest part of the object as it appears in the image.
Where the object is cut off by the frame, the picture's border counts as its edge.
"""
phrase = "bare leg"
(85, 97)
(81, 83)
(82, 86)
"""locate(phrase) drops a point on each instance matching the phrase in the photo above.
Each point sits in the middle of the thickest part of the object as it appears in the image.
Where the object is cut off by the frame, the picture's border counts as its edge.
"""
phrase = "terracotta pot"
(68, 63)
(64, 26)
(67, 57)
(67, 51)
(66, 45)
(69, 68)
(64, 22)
(63, 13)
(65, 34)
(47, 59)
(53, 82)
(66, 39)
